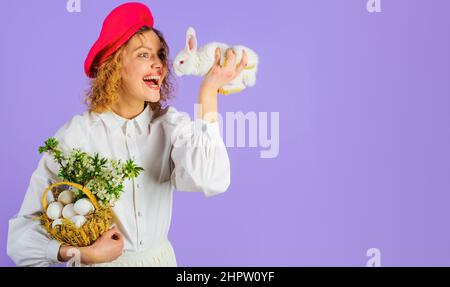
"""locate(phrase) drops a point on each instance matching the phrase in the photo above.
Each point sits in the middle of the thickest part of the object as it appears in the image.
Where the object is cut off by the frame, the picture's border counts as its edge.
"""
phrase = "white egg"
(66, 197)
(56, 222)
(50, 197)
(54, 210)
(78, 220)
(68, 211)
(83, 206)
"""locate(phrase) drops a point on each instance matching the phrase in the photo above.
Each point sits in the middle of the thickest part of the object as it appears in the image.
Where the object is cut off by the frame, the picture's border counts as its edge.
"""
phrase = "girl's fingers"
(110, 233)
(242, 63)
(217, 57)
(113, 230)
(230, 53)
(230, 58)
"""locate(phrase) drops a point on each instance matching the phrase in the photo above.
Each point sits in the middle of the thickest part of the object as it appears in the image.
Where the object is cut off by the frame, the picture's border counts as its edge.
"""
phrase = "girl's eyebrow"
(142, 46)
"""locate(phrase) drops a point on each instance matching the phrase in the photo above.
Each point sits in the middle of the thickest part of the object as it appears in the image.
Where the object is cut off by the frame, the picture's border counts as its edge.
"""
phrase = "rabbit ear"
(191, 40)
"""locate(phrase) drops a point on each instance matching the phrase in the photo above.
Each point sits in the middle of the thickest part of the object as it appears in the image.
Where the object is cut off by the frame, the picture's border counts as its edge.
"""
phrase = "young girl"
(125, 119)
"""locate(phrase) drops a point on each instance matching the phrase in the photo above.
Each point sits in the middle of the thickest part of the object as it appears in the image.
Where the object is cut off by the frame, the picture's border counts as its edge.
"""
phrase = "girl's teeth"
(152, 77)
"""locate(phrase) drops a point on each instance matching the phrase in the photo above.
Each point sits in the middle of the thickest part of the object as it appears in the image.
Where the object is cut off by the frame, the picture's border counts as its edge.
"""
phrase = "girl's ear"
(191, 40)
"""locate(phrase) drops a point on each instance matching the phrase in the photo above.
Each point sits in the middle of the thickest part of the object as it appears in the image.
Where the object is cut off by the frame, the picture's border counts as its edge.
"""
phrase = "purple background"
(364, 137)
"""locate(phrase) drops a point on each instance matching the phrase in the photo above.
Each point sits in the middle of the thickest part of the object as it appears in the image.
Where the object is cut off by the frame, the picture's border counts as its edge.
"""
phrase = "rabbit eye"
(181, 62)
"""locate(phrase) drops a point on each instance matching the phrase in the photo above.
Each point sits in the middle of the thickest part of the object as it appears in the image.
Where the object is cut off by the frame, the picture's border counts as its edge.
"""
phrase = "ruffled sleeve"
(28, 243)
(199, 159)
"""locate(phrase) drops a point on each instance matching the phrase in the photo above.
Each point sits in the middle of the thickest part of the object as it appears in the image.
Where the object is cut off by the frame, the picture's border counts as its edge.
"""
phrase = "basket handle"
(76, 185)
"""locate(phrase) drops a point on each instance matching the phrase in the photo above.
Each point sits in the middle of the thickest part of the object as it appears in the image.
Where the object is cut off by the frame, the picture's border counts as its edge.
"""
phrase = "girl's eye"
(145, 55)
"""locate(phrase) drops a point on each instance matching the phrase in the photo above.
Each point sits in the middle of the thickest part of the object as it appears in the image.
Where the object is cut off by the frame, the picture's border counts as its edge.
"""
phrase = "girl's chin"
(152, 97)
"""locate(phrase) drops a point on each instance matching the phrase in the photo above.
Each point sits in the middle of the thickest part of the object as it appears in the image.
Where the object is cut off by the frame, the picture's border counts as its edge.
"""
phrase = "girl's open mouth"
(152, 82)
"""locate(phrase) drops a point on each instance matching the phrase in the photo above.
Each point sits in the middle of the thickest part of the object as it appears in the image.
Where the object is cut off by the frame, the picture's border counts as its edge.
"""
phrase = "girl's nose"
(157, 64)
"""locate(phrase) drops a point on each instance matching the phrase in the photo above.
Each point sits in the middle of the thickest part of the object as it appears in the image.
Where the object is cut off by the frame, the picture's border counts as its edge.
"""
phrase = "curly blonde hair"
(104, 87)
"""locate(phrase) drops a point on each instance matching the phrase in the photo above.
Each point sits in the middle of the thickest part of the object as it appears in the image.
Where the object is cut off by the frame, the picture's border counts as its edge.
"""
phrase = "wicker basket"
(96, 223)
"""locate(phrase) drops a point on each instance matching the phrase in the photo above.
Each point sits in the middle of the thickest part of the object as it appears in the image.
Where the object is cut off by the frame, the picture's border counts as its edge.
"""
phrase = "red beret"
(118, 27)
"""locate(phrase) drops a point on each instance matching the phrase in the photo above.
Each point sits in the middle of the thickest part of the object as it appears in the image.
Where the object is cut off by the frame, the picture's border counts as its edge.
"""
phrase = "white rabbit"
(193, 61)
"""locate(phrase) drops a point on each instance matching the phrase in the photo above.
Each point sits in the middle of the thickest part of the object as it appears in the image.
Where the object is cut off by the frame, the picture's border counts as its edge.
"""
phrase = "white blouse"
(175, 152)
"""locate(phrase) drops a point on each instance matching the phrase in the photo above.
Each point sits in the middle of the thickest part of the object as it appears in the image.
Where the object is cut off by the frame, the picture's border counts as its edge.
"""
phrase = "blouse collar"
(115, 122)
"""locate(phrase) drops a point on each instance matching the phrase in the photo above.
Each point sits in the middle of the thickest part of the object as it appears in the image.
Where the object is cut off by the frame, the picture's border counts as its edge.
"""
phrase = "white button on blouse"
(175, 152)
